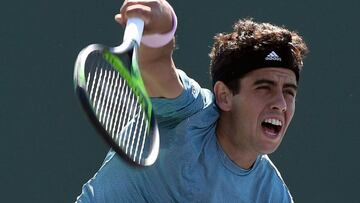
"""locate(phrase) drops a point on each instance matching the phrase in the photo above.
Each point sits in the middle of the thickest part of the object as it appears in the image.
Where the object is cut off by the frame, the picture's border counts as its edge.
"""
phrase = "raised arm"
(156, 64)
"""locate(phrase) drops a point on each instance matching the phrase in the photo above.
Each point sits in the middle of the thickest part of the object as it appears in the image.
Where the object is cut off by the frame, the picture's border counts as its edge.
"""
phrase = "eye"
(263, 88)
(290, 92)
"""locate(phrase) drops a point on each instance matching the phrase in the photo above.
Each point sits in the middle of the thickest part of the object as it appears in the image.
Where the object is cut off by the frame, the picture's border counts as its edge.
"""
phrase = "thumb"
(119, 19)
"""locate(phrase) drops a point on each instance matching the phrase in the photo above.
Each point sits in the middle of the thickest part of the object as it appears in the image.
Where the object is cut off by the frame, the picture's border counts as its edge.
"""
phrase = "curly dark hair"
(249, 37)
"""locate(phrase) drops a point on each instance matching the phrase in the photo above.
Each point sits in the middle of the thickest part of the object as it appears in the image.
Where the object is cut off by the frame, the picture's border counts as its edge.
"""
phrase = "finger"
(149, 3)
(140, 11)
(132, 8)
(124, 5)
(119, 19)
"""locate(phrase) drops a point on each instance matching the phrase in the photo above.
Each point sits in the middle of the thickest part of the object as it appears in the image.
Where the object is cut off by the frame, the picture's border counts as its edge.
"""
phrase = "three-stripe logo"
(272, 57)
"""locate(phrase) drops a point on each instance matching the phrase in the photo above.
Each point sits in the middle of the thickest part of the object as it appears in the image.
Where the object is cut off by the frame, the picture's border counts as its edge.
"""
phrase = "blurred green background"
(49, 149)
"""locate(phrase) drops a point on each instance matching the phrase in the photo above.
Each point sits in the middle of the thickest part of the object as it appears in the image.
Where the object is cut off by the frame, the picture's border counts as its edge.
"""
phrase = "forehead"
(283, 75)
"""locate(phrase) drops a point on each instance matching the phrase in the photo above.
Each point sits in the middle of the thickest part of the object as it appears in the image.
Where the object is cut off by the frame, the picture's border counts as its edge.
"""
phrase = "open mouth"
(272, 127)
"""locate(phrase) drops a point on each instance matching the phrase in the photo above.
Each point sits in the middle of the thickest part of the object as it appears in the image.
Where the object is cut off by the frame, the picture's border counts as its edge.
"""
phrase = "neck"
(234, 144)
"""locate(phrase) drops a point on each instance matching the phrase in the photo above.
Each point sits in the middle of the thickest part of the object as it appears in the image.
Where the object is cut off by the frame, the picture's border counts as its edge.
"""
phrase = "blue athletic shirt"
(191, 167)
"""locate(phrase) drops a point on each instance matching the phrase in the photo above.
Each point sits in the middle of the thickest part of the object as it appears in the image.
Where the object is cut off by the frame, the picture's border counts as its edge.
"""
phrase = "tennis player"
(214, 144)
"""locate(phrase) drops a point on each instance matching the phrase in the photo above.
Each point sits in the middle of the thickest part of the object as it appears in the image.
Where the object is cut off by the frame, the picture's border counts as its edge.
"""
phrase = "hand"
(155, 13)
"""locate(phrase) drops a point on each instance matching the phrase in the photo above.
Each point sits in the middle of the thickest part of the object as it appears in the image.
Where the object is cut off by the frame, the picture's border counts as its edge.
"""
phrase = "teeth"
(273, 121)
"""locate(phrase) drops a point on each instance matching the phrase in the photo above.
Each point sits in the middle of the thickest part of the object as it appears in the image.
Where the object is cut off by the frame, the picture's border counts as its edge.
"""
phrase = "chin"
(268, 148)
(269, 151)
(269, 144)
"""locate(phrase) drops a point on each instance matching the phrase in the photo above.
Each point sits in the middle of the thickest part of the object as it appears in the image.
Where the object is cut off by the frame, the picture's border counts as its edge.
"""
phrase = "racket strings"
(118, 109)
(110, 115)
(139, 117)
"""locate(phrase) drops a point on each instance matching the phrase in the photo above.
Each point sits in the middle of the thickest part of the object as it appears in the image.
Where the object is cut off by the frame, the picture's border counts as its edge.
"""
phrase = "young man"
(214, 146)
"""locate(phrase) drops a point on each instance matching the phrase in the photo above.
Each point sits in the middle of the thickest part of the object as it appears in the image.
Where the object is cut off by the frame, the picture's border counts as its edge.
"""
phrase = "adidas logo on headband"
(272, 57)
(249, 60)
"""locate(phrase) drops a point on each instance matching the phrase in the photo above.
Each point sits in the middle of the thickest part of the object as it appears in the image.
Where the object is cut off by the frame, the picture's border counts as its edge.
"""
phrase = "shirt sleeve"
(170, 112)
(115, 181)
(87, 194)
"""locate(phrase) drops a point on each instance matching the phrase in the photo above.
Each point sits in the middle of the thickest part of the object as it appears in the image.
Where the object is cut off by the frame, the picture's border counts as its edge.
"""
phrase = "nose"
(279, 103)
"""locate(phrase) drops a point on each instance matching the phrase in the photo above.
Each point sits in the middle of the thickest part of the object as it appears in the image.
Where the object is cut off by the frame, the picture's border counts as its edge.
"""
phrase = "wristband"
(160, 40)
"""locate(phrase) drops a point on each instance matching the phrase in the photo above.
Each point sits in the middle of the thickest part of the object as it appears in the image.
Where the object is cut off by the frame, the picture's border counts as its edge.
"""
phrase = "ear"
(223, 96)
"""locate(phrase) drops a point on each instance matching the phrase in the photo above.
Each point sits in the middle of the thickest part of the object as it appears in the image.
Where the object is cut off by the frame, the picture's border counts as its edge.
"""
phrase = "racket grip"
(134, 30)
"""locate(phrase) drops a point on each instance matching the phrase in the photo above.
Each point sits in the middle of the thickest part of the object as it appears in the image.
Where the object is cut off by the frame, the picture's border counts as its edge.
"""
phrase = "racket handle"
(134, 29)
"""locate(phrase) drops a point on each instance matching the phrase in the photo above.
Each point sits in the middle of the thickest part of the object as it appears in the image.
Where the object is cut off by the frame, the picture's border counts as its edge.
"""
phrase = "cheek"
(248, 113)
(290, 112)
(247, 109)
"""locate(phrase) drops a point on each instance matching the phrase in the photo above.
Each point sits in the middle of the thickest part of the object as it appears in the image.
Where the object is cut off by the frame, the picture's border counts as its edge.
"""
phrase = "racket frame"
(132, 37)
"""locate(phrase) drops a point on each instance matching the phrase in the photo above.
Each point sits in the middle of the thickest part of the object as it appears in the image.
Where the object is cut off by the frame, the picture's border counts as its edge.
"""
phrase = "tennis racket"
(111, 91)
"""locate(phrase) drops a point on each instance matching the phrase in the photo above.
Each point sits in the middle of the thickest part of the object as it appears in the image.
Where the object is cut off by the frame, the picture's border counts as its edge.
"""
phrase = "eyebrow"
(273, 83)
(291, 85)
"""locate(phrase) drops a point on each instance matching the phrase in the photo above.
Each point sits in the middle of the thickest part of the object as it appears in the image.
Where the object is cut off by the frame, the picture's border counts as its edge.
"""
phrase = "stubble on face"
(260, 113)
